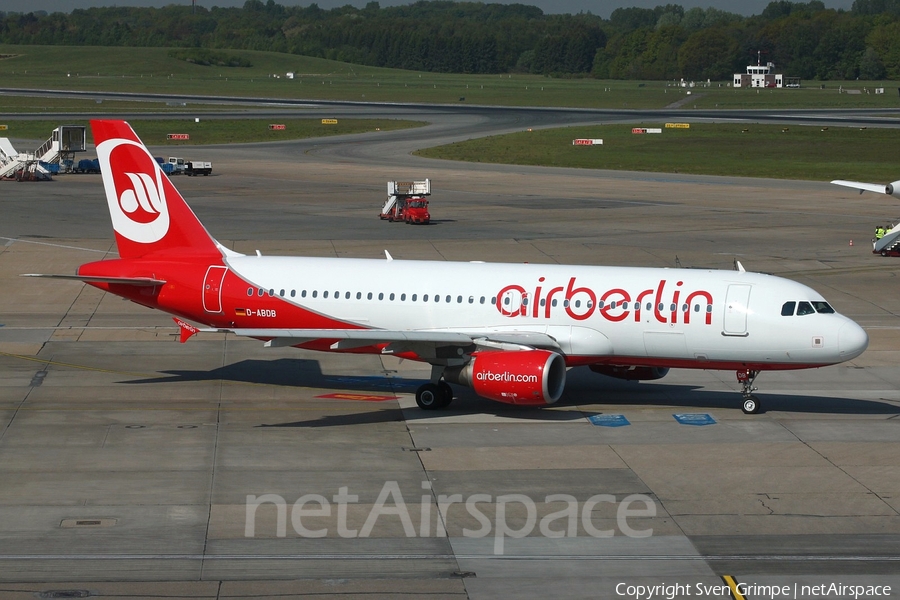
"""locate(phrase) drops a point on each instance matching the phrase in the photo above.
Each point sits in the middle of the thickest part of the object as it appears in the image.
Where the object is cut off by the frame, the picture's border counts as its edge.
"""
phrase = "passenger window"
(566, 303)
(471, 299)
(391, 297)
(315, 293)
(696, 308)
(578, 304)
(823, 308)
(459, 299)
(553, 303)
(425, 298)
(543, 302)
(805, 308)
(601, 304)
(447, 298)
(709, 308)
(293, 293)
(272, 292)
(359, 295)
(325, 294)
(260, 292)
(381, 295)
(612, 305)
(303, 294)
(281, 293)
(660, 307)
(482, 301)
(649, 306)
(347, 296)
(437, 298)
(414, 297)
(787, 309)
(369, 296)
(524, 301)
(249, 291)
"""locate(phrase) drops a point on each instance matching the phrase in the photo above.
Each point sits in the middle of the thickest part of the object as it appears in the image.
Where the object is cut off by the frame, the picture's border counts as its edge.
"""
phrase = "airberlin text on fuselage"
(672, 305)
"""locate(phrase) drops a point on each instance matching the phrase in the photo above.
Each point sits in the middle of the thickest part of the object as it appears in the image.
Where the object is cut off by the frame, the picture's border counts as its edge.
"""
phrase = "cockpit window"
(787, 309)
(805, 308)
(823, 308)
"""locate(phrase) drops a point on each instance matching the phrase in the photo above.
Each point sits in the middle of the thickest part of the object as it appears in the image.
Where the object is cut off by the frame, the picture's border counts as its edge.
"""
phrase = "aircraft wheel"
(429, 396)
(884, 252)
(446, 394)
(751, 405)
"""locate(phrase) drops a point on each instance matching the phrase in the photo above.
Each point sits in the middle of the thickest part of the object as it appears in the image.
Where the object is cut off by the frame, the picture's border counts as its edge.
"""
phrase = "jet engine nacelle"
(631, 373)
(893, 189)
(526, 377)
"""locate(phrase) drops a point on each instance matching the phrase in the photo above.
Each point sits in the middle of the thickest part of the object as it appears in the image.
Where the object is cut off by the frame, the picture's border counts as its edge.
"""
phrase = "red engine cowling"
(631, 373)
(526, 377)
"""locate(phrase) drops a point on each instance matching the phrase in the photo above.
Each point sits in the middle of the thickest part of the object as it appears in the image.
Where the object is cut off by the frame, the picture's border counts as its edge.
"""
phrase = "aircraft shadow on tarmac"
(586, 393)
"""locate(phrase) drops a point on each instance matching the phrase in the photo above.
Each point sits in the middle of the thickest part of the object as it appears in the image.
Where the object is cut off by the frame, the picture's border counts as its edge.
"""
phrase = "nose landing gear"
(750, 404)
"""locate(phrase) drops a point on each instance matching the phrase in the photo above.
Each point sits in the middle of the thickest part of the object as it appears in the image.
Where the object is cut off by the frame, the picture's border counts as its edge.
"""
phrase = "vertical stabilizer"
(148, 214)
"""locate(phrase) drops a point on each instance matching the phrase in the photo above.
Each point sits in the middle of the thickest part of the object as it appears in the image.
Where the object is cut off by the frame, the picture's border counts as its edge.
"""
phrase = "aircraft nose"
(852, 340)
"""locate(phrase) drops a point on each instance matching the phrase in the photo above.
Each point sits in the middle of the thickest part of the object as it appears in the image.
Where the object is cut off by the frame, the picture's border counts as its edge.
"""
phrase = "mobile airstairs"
(60, 150)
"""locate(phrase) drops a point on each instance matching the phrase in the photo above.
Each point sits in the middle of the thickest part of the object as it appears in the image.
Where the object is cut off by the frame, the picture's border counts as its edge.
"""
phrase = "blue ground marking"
(694, 419)
(609, 420)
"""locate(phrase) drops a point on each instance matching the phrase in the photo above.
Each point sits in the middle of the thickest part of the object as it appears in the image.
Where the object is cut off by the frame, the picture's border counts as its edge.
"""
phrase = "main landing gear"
(750, 404)
(432, 396)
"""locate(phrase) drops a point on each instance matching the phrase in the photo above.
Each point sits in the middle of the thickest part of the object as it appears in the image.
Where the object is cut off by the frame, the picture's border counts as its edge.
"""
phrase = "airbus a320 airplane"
(509, 331)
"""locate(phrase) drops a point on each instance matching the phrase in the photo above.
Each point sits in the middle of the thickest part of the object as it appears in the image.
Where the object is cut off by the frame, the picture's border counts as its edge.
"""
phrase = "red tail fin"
(148, 214)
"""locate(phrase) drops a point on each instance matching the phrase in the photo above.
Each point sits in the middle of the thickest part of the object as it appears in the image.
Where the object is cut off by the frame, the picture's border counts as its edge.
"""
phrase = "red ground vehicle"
(407, 201)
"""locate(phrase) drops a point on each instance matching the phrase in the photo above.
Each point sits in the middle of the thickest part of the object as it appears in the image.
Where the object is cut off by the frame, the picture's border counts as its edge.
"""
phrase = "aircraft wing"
(138, 281)
(865, 187)
(424, 343)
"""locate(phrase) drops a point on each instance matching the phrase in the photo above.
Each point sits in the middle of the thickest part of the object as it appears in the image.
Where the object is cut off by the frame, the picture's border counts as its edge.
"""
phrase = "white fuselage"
(682, 317)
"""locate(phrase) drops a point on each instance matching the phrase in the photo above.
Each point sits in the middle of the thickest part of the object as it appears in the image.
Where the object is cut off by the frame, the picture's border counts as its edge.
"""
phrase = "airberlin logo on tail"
(134, 191)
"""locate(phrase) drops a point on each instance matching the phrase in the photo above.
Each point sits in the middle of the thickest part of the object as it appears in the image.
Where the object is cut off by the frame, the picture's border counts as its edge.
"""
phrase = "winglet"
(186, 330)
(387, 255)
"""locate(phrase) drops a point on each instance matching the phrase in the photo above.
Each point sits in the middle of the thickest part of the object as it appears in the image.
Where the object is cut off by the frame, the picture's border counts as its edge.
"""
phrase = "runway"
(134, 466)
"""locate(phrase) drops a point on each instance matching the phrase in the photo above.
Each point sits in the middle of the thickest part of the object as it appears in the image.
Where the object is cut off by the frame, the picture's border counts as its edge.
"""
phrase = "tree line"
(667, 42)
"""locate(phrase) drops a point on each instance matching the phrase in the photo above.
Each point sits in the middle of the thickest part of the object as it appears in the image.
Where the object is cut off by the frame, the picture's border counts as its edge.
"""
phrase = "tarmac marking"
(486, 556)
(732, 584)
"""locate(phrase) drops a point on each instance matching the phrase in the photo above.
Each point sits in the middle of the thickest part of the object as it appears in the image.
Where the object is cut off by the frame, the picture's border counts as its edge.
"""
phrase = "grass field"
(760, 151)
(747, 150)
(152, 70)
(10, 105)
(218, 131)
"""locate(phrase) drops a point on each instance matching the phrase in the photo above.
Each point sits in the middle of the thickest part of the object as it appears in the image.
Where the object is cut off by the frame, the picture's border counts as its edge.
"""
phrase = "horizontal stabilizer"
(138, 281)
